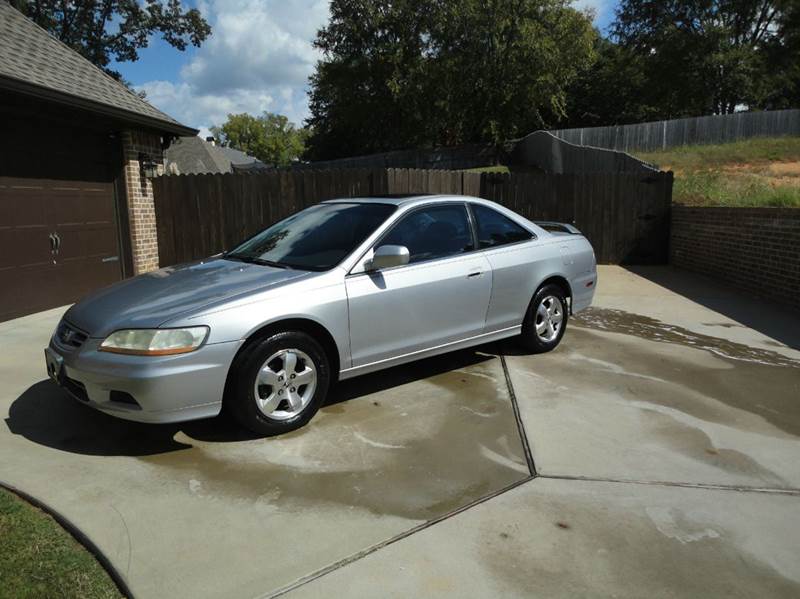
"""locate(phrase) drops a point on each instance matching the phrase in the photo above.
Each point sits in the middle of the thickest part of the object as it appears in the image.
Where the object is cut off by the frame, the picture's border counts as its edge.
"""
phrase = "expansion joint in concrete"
(685, 485)
(361, 554)
(411, 531)
(518, 417)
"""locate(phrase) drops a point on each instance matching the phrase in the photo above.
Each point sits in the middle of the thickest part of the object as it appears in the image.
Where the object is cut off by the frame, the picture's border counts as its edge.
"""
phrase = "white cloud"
(258, 58)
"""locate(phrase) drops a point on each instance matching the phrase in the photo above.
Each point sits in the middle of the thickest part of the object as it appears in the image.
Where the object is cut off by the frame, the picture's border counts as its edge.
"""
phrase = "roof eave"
(15, 85)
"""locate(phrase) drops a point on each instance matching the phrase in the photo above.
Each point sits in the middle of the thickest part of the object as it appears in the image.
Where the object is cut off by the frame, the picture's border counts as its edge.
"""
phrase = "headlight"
(155, 342)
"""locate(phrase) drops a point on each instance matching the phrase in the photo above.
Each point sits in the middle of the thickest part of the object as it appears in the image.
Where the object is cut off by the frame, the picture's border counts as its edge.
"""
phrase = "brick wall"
(757, 249)
(141, 211)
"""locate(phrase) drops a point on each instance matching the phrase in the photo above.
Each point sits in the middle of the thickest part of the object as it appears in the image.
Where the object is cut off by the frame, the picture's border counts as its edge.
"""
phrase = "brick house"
(79, 149)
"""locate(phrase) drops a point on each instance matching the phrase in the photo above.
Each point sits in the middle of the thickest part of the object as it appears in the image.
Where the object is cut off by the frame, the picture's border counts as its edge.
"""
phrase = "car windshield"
(317, 238)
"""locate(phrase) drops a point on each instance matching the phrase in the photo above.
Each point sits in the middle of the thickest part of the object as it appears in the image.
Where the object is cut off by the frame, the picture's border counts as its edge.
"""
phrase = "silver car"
(340, 289)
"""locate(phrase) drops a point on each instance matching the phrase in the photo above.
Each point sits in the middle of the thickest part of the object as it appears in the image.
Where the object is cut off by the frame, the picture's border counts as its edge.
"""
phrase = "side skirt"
(431, 351)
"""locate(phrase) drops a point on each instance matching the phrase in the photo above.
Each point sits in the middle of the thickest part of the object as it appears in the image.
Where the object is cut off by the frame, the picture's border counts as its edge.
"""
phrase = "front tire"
(278, 383)
(546, 320)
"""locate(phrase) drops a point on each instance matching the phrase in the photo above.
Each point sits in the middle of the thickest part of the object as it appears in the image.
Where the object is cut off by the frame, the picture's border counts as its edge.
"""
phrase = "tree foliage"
(106, 30)
(409, 73)
(271, 137)
(701, 56)
(678, 58)
(783, 58)
(610, 91)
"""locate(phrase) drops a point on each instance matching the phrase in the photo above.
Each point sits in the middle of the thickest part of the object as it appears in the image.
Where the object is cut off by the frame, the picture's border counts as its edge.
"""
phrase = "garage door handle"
(52, 242)
(58, 241)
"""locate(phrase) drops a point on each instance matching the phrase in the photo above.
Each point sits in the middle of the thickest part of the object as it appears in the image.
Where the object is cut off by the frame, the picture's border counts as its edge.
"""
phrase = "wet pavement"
(567, 538)
(664, 434)
(633, 398)
(200, 509)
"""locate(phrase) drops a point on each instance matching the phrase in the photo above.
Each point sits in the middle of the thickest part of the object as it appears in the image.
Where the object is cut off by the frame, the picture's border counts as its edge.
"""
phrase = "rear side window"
(434, 232)
(495, 229)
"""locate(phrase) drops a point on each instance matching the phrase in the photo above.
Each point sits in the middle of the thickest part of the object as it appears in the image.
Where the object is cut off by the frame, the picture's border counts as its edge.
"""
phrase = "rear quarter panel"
(518, 270)
(579, 263)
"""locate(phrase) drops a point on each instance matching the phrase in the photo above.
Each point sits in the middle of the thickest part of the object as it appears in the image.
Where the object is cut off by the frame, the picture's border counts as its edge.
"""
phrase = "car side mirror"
(388, 256)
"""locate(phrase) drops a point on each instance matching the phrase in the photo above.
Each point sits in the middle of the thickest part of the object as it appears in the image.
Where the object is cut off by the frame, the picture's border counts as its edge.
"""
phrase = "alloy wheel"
(285, 384)
(549, 318)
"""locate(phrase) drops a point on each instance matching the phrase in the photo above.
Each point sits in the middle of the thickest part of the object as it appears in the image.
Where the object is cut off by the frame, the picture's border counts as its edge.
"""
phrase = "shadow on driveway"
(764, 316)
(47, 415)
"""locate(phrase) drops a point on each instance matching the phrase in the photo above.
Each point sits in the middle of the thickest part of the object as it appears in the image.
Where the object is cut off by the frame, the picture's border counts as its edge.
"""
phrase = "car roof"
(400, 199)
(410, 200)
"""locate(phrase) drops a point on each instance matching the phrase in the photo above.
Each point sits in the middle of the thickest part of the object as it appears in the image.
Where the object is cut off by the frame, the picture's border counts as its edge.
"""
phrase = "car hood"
(152, 299)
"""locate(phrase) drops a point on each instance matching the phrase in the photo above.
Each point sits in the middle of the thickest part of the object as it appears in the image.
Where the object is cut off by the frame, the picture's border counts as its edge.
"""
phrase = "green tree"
(783, 57)
(611, 91)
(271, 137)
(700, 56)
(367, 93)
(409, 73)
(106, 30)
(505, 65)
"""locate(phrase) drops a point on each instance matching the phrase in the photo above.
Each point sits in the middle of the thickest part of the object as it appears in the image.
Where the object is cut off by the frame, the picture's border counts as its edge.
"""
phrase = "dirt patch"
(775, 174)
(785, 169)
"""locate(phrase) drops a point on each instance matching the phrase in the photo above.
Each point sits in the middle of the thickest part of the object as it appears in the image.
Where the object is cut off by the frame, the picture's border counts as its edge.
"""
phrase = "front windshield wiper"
(263, 262)
(254, 260)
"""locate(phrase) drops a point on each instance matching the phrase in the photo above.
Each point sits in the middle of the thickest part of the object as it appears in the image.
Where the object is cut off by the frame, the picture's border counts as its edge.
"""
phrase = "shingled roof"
(35, 63)
(192, 155)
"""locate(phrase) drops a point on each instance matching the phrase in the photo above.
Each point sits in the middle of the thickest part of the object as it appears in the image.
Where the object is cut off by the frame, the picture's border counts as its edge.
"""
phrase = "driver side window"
(435, 232)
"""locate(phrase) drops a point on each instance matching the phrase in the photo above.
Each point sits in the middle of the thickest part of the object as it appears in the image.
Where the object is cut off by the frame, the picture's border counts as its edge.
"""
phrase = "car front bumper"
(157, 389)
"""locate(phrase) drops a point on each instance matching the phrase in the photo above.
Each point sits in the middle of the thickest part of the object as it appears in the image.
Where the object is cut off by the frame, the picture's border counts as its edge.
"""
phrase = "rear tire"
(546, 320)
(278, 383)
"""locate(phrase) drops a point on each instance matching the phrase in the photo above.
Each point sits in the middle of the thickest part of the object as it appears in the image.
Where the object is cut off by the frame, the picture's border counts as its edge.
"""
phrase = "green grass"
(40, 560)
(764, 149)
(498, 168)
(704, 188)
(755, 172)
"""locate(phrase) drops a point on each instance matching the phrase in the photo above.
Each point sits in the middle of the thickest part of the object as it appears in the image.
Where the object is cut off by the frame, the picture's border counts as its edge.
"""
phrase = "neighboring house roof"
(35, 63)
(194, 156)
(241, 161)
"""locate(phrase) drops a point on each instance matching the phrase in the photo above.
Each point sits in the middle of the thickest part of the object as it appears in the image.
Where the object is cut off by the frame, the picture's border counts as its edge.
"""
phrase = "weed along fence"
(624, 215)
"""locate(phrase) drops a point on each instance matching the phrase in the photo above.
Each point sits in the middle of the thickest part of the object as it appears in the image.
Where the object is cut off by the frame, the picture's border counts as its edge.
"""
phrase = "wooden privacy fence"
(624, 215)
(713, 129)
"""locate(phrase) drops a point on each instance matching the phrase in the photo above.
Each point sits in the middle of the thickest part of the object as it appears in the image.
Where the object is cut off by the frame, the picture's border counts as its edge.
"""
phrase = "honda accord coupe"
(340, 289)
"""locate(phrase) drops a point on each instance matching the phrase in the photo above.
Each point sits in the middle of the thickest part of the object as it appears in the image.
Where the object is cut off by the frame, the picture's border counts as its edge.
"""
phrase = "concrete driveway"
(663, 433)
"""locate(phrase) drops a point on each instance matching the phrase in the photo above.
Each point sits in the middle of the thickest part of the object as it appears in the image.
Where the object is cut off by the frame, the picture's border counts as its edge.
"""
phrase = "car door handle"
(475, 273)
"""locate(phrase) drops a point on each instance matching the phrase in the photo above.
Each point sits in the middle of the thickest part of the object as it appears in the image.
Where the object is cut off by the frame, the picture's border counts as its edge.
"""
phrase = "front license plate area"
(55, 365)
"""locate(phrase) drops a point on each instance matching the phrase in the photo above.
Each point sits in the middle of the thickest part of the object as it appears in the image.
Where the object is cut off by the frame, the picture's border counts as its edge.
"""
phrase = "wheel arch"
(562, 282)
(305, 325)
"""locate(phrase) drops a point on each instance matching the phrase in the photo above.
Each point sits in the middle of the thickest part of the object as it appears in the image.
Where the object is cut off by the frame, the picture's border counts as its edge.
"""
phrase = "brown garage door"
(58, 241)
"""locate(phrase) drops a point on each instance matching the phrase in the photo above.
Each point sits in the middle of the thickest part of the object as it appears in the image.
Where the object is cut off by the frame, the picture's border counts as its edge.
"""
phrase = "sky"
(258, 59)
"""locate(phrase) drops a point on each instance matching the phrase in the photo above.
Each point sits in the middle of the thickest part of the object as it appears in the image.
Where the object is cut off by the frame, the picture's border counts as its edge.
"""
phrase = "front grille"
(69, 336)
